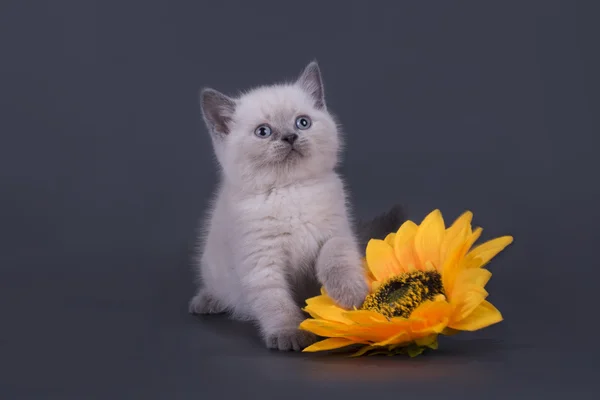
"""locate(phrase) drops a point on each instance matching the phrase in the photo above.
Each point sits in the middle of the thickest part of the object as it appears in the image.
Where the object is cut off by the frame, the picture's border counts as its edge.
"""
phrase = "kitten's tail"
(380, 226)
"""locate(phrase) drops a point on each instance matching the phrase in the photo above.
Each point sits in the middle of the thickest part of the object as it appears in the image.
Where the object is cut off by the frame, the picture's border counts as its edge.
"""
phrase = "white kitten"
(280, 219)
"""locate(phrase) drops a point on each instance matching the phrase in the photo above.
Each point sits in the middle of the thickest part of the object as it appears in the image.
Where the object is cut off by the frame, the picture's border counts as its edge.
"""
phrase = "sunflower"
(424, 280)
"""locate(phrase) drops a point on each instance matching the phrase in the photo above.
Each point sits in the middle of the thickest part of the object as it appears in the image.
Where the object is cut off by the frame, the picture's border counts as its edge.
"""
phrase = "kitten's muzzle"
(290, 138)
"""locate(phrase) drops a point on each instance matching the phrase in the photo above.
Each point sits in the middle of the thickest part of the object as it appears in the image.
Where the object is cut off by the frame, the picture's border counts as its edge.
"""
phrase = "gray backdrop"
(106, 166)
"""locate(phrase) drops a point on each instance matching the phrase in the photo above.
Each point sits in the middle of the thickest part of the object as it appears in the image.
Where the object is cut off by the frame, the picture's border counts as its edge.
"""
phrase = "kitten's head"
(273, 135)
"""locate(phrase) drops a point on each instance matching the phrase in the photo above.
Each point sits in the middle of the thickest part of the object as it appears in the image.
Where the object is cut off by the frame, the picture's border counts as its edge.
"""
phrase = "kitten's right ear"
(217, 110)
(311, 81)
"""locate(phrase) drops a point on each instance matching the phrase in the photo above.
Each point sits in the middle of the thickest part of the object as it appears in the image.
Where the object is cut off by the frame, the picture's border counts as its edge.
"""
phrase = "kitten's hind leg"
(205, 303)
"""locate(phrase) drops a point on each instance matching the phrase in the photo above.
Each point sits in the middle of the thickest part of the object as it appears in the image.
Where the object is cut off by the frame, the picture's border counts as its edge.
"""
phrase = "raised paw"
(204, 303)
(340, 269)
(347, 290)
(290, 340)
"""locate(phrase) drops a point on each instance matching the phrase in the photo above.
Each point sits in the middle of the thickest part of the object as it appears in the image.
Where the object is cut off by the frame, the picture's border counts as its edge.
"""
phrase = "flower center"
(400, 295)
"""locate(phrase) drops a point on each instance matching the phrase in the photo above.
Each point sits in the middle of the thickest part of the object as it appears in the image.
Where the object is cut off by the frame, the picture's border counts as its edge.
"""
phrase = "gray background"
(106, 166)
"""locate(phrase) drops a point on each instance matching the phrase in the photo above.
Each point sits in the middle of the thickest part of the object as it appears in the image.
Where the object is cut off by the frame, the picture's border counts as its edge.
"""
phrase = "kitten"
(280, 221)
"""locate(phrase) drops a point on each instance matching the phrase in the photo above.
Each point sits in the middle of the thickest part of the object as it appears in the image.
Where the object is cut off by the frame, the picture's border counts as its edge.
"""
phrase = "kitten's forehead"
(273, 102)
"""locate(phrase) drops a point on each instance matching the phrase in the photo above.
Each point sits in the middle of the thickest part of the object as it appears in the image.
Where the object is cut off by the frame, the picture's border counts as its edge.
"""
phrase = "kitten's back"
(380, 226)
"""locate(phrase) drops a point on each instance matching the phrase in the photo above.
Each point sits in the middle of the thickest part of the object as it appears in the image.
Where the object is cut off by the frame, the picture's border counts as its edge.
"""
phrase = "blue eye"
(263, 131)
(303, 122)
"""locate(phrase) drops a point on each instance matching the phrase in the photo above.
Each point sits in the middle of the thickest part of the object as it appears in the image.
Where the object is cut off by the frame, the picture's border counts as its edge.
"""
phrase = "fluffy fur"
(279, 226)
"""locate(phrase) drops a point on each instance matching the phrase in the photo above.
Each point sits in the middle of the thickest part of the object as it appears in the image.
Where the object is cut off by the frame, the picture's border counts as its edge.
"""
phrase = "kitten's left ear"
(311, 81)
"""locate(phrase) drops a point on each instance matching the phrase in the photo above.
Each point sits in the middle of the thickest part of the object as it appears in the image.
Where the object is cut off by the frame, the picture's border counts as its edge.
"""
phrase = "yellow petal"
(324, 328)
(467, 301)
(364, 317)
(325, 308)
(375, 285)
(329, 344)
(432, 310)
(373, 333)
(471, 239)
(451, 269)
(455, 235)
(429, 237)
(482, 316)
(429, 266)
(378, 331)
(330, 313)
(381, 260)
(430, 317)
(400, 337)
(464, 219)
(320, 301)
(421, 328)
(314, 303)
(404, 245)
(368, 326)
(454, 262)
(470, 277)
(482, 254)
(389, 239)
(368, 274)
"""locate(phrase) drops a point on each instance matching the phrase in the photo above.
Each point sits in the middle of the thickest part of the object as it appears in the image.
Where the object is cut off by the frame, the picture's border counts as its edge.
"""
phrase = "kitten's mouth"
(293, 153)
(289, 155)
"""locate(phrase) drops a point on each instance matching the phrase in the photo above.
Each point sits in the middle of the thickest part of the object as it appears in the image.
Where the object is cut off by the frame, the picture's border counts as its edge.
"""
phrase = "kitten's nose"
(291, 138)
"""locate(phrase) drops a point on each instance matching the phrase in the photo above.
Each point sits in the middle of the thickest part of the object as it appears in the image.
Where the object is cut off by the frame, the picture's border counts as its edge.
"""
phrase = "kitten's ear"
(217, 110)
(311, 81)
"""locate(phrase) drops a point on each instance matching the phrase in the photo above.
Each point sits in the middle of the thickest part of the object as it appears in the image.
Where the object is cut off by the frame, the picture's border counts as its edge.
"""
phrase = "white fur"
(279, 219)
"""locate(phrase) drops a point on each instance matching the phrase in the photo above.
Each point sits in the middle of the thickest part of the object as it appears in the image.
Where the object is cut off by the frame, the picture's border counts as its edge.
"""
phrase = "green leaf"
(449, 331)
(380, 352)
(433, 345)
(414, 351)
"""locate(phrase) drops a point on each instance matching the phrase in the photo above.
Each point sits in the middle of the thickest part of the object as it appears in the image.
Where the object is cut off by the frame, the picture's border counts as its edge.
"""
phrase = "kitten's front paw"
(204, 303)
(346, 289)
(287, 340)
